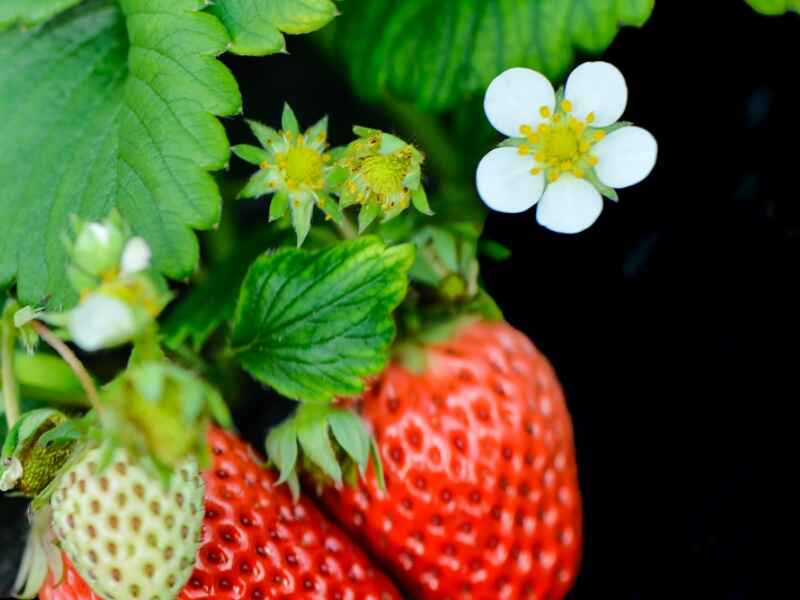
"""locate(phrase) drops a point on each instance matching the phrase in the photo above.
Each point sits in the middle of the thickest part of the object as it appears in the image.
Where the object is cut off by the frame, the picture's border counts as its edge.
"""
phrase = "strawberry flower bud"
(96, 251)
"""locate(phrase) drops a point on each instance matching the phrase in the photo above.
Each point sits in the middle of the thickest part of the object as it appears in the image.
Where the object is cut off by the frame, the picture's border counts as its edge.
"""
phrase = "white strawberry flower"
(101, 321)
(567, 149)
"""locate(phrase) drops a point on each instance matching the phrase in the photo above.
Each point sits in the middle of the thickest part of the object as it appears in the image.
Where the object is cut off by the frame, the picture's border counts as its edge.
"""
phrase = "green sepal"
(368, 213)
(252, 154)
(312, 433)
(302, 212)
(278, 206)
(352, 435)
(420, 200)
(289, 120)
(601, 187)
(330, 207)
(266, 136)
(257, 185)
(281, 446)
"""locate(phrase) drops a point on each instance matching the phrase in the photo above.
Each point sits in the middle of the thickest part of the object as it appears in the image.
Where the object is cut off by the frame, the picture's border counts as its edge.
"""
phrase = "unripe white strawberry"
(128, 533)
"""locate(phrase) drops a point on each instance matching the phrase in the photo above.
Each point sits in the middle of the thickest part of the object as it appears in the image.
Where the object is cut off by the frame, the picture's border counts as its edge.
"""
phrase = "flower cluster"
(378, 171)
(119, 297)
(566, 150)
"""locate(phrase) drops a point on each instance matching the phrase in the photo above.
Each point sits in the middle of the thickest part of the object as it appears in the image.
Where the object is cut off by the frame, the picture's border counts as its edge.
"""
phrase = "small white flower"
(101, 321)
(136, 256)
(11, 474)
(566, 150)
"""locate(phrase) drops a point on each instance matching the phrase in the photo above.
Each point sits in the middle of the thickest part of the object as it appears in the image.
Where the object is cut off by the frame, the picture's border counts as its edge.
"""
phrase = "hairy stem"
(347, 229)
(73, 361)
(10, 399)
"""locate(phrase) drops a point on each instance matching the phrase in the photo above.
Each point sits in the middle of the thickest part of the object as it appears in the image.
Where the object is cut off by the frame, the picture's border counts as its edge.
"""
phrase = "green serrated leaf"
(256, 25)
(282, 449)
(775, 7)
(110, 105)
(28, 13)
(313, 324)
(436, 53)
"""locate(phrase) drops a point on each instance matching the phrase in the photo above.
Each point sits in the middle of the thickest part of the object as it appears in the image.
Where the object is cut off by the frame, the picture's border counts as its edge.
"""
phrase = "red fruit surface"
(257, 543)
(482, 494)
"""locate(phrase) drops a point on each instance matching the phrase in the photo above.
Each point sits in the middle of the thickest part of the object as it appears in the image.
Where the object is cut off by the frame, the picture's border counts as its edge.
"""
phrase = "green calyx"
(160, 411)
(327, 443)
(34, 451)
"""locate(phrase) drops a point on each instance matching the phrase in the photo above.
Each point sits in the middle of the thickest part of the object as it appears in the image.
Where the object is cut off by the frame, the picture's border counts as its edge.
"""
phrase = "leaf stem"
(73, 361)
(10, 399)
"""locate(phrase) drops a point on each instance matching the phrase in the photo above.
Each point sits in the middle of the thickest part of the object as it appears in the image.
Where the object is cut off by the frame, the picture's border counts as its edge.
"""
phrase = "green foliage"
(110, 105)
(28, 13)
(775, 7)
(438, 52)
(211, 302)
(313, 324)
(256, 25)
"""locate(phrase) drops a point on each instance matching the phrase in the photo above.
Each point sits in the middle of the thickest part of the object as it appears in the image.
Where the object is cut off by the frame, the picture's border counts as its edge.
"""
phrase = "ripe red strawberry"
(482, 493)
(257, 543)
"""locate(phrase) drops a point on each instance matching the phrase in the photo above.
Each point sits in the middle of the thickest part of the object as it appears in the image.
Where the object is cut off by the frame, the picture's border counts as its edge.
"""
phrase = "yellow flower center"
(562, 143)
(385, 173)
(303, 165)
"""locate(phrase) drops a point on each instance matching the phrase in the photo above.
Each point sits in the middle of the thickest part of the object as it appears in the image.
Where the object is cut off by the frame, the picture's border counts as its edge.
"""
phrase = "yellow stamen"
(590, 118)
(599, 135)
(525, 129)
(544, 129)
(552, 176)
(578, 172)
(566, 166)
(264, 164)
(544, 111)
(540, 156)
(557, 118)
(534, 138)
(566, 106)
(523, 150)
(592, 160)
(584, 147)
(536, 170)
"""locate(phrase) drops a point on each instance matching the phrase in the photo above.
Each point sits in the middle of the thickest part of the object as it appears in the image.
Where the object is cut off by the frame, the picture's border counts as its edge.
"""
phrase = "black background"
(672, 322)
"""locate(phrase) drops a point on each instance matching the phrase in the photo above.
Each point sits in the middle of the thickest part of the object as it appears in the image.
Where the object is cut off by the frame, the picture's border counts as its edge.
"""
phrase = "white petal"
(11, 470)
(505, 182)
(569, 205)
(599, 88)
(101, 321)
(515, 97)
(136, 256)
(626, 157)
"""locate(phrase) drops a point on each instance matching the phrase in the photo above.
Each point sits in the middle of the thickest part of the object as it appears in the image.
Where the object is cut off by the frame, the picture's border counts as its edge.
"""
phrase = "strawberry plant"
(317, 281)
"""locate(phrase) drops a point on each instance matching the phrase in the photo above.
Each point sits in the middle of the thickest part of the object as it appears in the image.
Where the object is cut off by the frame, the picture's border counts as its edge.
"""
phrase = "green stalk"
(10, 398)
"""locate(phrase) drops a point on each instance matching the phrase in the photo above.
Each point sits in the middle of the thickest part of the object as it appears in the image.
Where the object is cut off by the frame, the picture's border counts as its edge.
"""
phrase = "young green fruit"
(127, 533)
